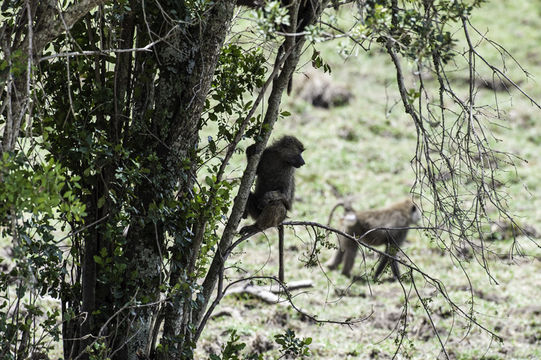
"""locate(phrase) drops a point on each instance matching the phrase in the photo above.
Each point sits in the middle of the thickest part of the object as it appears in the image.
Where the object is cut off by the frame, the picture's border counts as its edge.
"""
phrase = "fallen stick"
(268, 293)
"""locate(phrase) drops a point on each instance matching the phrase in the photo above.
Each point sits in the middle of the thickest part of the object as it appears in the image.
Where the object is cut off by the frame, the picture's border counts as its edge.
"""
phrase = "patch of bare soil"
(279, 319)
(260, 345)
(480, 294)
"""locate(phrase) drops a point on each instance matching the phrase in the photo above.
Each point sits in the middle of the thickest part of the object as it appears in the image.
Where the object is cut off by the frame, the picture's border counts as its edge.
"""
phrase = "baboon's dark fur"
(396, 218)
(275, 185)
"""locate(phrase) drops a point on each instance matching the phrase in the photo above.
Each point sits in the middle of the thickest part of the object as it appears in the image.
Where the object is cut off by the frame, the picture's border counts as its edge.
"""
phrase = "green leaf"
(98, 260)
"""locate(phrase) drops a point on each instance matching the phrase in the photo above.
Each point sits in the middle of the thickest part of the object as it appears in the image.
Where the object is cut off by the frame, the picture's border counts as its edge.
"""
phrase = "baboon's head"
(290, 150)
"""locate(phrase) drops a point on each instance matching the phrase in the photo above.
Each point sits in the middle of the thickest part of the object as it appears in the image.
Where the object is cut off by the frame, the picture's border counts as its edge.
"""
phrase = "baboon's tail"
(346, 204)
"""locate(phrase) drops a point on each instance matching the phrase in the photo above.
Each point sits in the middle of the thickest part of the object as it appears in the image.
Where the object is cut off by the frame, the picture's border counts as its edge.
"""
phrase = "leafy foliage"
(35, 202)
(270, 17)
(291, 347)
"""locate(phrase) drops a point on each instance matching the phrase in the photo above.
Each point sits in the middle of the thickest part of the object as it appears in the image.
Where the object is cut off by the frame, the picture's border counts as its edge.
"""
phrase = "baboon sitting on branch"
(275, 185)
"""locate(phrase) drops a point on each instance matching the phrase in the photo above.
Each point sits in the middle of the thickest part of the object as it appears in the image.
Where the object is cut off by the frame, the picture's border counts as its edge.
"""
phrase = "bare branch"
(97, 52)
(496, 70)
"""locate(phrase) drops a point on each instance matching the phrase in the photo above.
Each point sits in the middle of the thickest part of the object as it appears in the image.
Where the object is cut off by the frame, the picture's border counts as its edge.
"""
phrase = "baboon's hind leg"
(394, 268)
(350, 252)
(383, 260)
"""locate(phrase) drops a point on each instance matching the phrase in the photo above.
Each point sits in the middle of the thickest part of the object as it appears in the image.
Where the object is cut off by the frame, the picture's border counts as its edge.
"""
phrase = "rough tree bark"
(187, 63)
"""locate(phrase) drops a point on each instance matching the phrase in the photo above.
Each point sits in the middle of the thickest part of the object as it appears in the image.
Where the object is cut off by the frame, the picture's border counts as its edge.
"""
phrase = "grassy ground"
(365, 149)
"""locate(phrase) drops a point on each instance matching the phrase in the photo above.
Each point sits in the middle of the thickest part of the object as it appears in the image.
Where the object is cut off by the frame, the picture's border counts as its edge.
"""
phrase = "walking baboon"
(398, 216)
(275, 185)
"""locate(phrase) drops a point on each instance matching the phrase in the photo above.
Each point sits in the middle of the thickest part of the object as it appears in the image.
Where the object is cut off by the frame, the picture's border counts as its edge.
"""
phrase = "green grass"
(361, 150)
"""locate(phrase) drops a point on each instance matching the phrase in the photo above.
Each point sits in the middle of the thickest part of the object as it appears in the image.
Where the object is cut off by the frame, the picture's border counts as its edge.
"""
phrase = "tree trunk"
(198, 65)
(186, 63)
